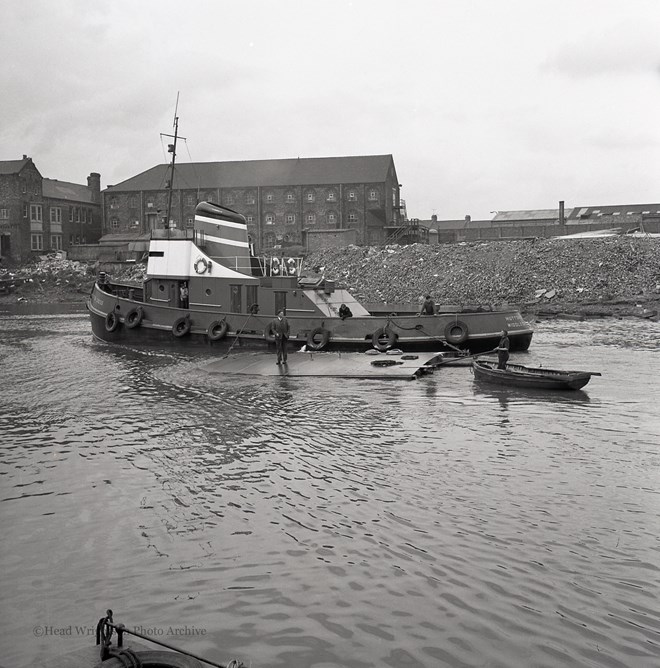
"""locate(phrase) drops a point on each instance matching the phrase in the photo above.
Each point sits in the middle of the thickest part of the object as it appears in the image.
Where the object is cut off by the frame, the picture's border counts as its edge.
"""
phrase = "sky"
(485, 105)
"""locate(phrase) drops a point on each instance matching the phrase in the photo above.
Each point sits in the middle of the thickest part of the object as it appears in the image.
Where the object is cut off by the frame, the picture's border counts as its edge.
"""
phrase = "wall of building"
(276, 216)
(33, 224)
(318, 239)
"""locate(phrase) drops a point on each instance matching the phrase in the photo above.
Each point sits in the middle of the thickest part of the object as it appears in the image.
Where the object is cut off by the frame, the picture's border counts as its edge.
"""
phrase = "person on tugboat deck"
(428, 307)
(503, 350)
(280, 328)
(183, 294)
(345, 312)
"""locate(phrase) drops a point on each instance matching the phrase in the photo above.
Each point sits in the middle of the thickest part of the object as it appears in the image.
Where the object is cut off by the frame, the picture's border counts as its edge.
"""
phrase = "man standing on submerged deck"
(280, 328)
(503, 350)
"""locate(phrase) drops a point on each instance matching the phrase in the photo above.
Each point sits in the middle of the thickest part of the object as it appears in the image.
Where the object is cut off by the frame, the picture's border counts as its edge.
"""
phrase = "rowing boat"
(518, 375)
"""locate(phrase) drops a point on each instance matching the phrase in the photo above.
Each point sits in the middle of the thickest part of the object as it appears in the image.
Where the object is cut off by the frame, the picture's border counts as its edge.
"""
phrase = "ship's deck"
(327, 365)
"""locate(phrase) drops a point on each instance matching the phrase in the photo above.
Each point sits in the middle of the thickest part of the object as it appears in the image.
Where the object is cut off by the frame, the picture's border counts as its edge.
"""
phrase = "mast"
(171, 148)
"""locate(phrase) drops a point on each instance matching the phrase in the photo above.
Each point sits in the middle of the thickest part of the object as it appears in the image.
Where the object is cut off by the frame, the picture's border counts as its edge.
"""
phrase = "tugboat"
(206, 286)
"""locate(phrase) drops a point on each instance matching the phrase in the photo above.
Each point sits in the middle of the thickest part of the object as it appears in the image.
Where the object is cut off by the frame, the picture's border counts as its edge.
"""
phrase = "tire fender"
(456, 332)
(217, 330)
(134, 317)
(181, 327)
(383, 339)
(111, 321)
(318, 338)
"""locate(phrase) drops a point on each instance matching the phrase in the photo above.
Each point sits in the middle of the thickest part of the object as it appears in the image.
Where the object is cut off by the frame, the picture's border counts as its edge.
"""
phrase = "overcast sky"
(485, 105)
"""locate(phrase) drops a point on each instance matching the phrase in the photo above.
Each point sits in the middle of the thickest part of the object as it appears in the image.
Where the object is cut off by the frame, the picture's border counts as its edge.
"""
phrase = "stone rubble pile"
(571, 271)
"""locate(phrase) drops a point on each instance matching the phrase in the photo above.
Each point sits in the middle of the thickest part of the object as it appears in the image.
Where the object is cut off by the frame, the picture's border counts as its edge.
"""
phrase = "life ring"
(217, 330)
(134, 317)
(291, 266)
(456, 332)
(275, 267)
(181, 327)
(111, 321)
(316, 343)
(383, 339)
(201, 265)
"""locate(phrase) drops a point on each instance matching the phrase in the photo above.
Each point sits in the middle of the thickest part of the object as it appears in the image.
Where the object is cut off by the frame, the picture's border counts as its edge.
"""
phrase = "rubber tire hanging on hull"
(312, 342)
(217, 330)
(384, 333)
(181, 327)
(111, 321)
(269, 335)
(134, 317)
(456, 332)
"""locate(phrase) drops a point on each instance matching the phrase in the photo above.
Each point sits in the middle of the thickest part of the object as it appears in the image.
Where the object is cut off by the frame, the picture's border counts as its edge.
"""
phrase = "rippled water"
(321, 523)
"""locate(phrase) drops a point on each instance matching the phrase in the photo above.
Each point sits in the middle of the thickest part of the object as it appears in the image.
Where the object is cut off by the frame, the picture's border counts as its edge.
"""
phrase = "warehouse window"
(352, 197)
(270, 219)
(373, 195)
(56, 242)
(55, 214)
(290, 219)
(4, 214)
(36, 213)
(37, 242)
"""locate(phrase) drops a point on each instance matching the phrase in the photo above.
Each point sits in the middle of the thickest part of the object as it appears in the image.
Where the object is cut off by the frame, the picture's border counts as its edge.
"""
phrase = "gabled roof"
(616, 209)
(68, 191)
(531, 214)
(14, 166)
(252, 173)
(458, 224)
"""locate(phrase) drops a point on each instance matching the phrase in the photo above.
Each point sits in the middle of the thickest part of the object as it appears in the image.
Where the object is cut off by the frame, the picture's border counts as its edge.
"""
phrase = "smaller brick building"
(40, 215)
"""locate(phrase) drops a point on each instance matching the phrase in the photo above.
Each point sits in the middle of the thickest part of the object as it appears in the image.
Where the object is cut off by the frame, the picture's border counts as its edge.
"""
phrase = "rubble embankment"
(613, 276)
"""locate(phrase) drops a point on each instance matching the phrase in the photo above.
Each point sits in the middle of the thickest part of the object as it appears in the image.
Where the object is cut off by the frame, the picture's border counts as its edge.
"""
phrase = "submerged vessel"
(206, 286)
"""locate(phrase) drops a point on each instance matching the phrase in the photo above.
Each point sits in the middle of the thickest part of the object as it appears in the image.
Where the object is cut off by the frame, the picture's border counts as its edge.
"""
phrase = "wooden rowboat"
(518, 375)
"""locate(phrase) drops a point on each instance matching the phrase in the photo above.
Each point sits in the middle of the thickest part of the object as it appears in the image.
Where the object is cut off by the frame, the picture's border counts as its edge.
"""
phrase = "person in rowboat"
(503, 350)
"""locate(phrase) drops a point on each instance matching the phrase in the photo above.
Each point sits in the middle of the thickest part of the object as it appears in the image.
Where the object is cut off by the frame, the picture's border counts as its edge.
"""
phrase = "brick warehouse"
(286, 202)
(39, 215)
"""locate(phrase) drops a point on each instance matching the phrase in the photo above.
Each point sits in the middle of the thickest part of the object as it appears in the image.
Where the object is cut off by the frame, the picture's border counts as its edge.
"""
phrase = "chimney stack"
(94, 184)
(561, 212)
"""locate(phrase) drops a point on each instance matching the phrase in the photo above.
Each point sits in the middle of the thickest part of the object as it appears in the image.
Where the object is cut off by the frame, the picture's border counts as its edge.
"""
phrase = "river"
(324, 523)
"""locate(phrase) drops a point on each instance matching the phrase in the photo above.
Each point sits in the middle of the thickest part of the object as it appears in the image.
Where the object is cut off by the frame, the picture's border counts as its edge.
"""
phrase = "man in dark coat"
(428, 307)
(503, 350)
(280, 328)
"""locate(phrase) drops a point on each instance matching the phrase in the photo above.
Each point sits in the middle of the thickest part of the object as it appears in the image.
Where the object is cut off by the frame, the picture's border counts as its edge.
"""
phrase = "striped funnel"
(222, 234)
